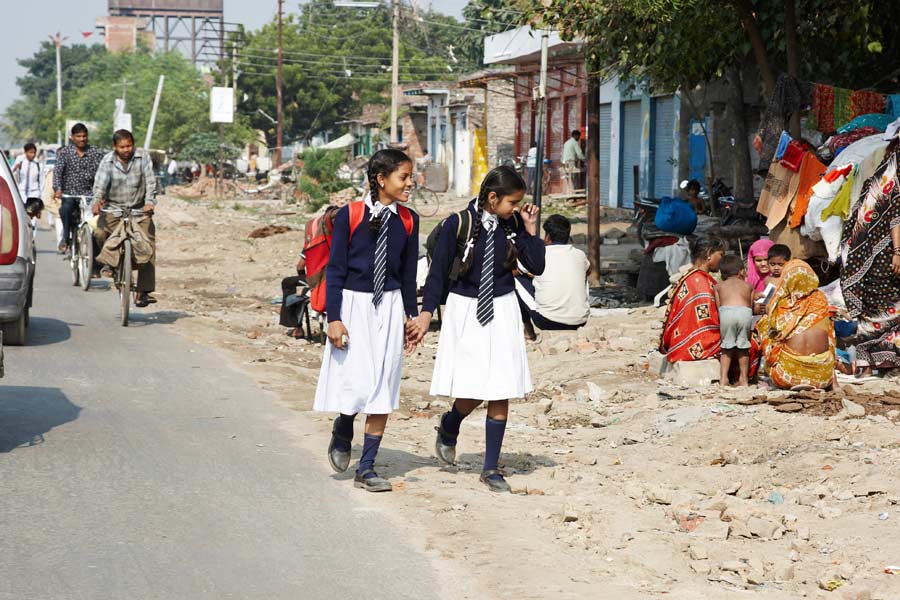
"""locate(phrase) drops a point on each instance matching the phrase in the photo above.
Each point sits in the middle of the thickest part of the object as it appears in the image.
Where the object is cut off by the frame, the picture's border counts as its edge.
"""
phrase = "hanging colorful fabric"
(864, 103)
(821, 117)
(811, 170)
(843, 111)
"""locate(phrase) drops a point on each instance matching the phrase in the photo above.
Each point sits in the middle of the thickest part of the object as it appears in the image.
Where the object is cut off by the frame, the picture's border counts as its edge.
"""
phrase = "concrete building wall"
(500, 122)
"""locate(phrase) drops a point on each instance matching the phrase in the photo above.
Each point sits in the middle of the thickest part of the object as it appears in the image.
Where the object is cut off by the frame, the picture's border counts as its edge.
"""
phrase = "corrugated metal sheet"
(167, 5)
(631, 151)
(663, 146)
(605, 153)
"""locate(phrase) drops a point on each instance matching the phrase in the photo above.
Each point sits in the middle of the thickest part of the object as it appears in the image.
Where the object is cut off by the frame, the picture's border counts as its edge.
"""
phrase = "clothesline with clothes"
(832, 110)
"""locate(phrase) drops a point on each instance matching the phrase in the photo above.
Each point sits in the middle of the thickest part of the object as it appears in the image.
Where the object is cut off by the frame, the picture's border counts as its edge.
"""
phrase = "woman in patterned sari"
(870, 275)
(691, 325)
(797, 333)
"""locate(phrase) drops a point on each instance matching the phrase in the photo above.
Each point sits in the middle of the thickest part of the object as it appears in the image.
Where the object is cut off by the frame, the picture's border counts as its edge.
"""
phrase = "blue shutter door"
(663, 144)
(631, 150)
(605, 153)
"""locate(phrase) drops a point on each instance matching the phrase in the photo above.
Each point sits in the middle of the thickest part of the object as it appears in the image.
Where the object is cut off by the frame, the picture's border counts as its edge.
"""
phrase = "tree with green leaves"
(680, 44)
(335, 60)
(94, 84)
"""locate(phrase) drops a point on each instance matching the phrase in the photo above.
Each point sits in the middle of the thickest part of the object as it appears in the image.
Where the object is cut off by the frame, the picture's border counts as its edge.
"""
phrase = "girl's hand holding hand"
(529, 213)
(337, 333)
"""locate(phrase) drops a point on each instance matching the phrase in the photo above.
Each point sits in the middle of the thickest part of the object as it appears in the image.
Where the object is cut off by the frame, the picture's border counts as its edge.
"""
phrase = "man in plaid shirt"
(125, 180)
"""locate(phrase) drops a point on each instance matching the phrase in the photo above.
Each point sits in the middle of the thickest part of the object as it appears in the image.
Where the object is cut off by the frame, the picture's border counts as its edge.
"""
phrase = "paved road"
(135, 464)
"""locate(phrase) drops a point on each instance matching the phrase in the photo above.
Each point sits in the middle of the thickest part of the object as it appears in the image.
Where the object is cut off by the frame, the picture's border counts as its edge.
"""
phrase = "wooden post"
(593, 177)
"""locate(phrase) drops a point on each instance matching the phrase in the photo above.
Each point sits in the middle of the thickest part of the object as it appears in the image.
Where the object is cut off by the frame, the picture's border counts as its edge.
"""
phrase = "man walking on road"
(73, 175)
(31, 181)
(125, 181)
(571, 158)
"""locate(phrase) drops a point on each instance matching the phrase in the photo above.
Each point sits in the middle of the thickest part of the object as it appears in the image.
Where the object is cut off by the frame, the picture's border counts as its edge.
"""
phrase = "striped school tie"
(381, 259)
(485, 307)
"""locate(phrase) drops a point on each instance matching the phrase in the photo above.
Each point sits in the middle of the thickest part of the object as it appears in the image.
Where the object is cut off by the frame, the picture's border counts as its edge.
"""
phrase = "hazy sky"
(32, 21)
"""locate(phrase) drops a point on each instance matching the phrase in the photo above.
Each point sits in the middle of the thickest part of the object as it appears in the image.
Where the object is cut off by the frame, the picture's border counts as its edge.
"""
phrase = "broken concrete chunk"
(695, 372)
(853, 409)
(698, 552)
(762, 528)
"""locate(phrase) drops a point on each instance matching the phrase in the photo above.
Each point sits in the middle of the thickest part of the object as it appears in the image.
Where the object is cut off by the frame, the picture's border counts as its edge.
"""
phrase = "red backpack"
(317, 245)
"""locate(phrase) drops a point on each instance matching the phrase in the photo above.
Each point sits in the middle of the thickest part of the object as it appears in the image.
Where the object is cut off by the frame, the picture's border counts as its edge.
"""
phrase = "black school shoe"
(495, 481)
(444, 452)
(337, 458)
(372, 484)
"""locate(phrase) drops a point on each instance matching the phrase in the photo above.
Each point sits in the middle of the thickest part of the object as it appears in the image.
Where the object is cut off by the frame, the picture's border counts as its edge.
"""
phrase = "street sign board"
(221, 105)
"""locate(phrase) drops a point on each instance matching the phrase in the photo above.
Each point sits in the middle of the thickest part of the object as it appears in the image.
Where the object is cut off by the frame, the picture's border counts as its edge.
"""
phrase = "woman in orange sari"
(691, 325)
(797, 333)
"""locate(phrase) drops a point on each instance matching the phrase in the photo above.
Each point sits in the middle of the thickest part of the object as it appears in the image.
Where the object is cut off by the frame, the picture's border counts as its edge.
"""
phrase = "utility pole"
(395, 70)
(149, 139)
(279, 114)
(542, 125)
(593, 177)
(57, 41)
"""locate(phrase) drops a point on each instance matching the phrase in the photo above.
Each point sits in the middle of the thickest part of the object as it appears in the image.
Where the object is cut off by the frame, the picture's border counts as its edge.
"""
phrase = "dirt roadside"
(628, 486)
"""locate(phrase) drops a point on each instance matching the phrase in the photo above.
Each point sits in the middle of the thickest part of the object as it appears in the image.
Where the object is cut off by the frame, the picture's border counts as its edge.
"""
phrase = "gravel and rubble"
(628, 483)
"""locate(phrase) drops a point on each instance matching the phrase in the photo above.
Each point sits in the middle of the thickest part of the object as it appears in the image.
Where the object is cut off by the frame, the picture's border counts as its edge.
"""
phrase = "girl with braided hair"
(370, 293)
(481, 351)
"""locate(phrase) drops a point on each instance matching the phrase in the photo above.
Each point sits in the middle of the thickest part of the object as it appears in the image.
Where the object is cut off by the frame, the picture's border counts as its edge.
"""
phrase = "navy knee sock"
(451, 422)
(344, 428)
(493, 441)
(371, 443)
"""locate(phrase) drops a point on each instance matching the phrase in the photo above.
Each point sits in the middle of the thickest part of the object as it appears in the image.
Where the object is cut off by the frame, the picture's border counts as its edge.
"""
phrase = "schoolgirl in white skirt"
(481, 351)
(370, 294)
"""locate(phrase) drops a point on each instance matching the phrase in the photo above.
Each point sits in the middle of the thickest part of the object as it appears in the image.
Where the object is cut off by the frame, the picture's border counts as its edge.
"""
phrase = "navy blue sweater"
(351, 265)
(530, 249)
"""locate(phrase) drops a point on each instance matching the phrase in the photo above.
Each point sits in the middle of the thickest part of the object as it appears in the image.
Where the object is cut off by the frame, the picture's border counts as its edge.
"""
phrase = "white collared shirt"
(375, 208)
(489, 221)
(30, 178)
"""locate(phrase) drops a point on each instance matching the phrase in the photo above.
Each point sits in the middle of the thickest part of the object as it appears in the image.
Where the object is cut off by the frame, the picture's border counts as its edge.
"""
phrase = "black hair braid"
(375, 223)
(476, 232)
(512, 255)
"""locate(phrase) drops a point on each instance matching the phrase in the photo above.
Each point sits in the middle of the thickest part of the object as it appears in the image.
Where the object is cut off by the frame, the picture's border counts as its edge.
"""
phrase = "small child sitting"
(779, 255)
(734, 297)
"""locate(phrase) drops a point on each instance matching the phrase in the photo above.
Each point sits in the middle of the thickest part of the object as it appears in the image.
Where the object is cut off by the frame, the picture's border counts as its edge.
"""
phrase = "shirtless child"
(734, 297)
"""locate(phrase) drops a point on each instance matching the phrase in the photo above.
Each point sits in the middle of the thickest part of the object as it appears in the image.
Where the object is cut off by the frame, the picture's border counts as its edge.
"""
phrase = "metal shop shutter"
(605, 153)
(663, 146)
(631, 150)
(525, 133)
(557, 136)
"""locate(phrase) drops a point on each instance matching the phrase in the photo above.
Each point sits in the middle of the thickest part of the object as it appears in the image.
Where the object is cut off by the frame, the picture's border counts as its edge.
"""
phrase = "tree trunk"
(734, 111)
(593, 177)
(748, 19)
(792, 49)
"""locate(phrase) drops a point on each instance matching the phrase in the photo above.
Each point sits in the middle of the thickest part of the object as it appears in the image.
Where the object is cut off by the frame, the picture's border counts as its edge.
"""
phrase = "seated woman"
(797, 333)
(691, 324)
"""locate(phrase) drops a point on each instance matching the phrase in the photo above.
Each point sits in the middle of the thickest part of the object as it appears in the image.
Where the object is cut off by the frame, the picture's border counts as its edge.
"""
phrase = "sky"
(36, 19)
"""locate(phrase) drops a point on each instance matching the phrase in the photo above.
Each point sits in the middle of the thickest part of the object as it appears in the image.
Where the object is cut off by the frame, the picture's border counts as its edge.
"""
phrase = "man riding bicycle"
(125, 181)
(73, 175)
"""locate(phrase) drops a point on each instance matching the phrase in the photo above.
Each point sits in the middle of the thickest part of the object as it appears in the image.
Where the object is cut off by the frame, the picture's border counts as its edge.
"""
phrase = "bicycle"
(424, 200)
(123, 276)
(81, 247)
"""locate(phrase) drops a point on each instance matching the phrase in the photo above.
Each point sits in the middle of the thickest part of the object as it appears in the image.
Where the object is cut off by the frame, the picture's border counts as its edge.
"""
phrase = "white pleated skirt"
(365, 376)
(481, 362)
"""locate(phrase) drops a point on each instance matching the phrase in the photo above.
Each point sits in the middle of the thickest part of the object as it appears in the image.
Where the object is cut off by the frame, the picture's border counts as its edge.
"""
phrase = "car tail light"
(9, 226)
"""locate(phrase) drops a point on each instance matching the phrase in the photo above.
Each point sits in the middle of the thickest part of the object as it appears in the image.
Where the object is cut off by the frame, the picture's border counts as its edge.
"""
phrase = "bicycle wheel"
(125, 278)
(85, 256)
(426, 202)
(73, 259)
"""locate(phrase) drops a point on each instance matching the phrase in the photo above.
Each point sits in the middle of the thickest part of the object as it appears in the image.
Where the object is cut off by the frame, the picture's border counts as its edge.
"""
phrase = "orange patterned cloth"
(811, 171)
(691, 326)
(797, 306)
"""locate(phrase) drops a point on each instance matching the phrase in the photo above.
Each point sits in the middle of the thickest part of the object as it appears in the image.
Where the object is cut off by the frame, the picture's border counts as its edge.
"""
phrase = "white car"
(17, 260)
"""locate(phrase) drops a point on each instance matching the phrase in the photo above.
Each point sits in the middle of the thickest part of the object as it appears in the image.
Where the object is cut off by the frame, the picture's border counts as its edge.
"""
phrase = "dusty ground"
(628, 486)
